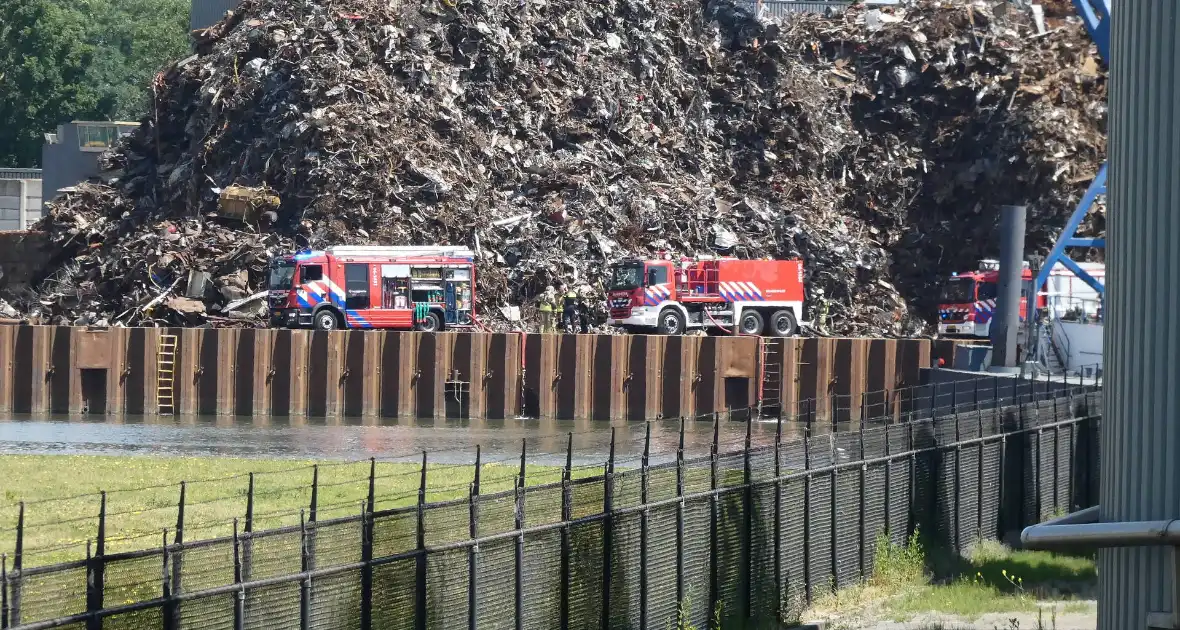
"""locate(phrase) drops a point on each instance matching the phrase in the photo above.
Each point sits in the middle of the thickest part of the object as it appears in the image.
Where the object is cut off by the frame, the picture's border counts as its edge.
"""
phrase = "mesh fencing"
(746, 535)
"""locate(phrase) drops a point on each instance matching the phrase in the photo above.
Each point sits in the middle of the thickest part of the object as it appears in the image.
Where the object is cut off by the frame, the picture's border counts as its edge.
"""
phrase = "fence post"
(17, 566)
(518, 521)
(566, 517)
(958, 487)
(248, 543)
(172, 607)
(643, 526)
(933, 397)
(888, 485)
(833, 457)
(955, 396)
(608, 526)
(680, 518)
(239, 592)
(979, 477)
(3, 591)
(305, 564)
(807, 512)
(1056, 459)
(420, 560)
(165, 584)
(96, 568)
(912, 487)
(778, 515)
(747, 562)
(1002, 502)
(714, 589)
(473, 550)
(864, 473)
(367, 532)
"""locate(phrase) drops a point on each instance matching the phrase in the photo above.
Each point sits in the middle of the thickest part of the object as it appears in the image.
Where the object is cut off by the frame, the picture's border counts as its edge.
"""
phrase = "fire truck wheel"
(751, 323)
(431, 323)
(783, 324)
(671, 322)
(326, 320)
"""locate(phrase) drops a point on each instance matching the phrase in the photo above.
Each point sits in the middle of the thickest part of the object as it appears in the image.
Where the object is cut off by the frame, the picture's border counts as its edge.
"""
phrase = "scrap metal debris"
(554, 136)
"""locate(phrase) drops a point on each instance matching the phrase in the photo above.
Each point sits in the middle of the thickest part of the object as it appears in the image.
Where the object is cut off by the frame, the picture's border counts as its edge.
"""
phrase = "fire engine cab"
(967, 303)
(753, 297)
(425, 288)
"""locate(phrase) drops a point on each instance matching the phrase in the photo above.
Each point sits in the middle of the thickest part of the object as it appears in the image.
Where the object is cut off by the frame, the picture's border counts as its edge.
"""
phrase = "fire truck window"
(311, 273)
(988, 290)
(958, 291)
(356, 285)
(657, 275)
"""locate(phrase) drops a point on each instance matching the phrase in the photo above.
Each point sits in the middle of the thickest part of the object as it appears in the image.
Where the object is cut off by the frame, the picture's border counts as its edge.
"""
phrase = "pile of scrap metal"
(554, 136)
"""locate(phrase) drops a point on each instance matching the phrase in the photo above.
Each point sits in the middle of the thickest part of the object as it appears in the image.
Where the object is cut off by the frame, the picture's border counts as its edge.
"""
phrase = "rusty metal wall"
(263, 373)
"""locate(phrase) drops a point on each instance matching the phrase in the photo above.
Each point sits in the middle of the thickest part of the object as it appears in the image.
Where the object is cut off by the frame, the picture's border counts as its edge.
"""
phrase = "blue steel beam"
(1067, 239)
(1095, 15)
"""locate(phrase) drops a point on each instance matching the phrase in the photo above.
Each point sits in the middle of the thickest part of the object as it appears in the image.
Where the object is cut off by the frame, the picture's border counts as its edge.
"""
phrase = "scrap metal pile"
(554, 136)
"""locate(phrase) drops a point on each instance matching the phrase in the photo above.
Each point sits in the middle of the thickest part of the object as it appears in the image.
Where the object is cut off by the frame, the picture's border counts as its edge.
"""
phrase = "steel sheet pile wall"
(47, 369)
(755, 531)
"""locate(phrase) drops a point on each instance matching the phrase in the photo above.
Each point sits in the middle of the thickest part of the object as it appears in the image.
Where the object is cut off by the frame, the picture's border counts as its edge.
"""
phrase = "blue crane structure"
(1096, 16)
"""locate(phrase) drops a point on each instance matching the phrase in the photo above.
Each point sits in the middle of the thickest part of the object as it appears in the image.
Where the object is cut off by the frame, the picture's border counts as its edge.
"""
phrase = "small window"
(97, 137)
(988, 291)
(657, 275)
(311, 273)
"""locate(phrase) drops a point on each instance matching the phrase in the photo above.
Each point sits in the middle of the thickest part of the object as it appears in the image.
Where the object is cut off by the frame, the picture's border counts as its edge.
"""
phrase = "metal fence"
(753, 533)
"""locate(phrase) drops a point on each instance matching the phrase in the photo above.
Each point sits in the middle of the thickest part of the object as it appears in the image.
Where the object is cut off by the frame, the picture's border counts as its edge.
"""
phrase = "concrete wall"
(20, 198)
(49, 369)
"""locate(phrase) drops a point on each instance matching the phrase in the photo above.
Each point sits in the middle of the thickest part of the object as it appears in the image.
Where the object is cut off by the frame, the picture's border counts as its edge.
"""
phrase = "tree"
(43, 64)
(132, 41)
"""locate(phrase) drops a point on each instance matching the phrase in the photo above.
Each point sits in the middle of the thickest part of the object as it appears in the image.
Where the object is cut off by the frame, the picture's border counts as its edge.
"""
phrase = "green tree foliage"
(80, 59)
(43, 62)
(132, 41)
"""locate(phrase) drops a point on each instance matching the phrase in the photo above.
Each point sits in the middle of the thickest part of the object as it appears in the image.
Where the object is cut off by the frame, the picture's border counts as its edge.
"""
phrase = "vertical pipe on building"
(1007, 322)
(22, 215)
(1140, 475)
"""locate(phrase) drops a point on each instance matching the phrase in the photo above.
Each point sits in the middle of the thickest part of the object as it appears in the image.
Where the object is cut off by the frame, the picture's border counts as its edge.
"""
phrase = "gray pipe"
(1006, 326)
(1140, 475)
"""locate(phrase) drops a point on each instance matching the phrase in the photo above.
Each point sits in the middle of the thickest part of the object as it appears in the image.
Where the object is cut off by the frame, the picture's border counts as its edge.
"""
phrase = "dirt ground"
(1073, 615)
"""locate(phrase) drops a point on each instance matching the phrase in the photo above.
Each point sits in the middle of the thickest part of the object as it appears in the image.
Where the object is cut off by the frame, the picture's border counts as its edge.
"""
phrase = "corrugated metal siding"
(20, 173)
(206, 13)
(1140, 476)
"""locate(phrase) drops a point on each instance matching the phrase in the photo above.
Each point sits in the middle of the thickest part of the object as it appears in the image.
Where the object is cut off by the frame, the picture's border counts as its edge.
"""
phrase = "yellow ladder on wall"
(165, 369)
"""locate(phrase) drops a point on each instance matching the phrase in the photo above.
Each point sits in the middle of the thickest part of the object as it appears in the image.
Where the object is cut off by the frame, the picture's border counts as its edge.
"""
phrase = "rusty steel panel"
(912, 355)
(318, 370)
(299, 354)
(370, 373)
(27, 368)
(538, 375)
(134, 378)
(817, 380)
(48, 346)
(227, 369)
(455, 371)
(500, 382)
(635, 383)
(710, 394)
(737, 357)
(671, 394)
(881, 378)
(118, 371)
(426, 388)
(849, 368)
(690, 378)
(92, 349)
(7, 366)
(262, 374)
(791, 353)
(478, 375)
(407, 372)
(565, 377)
(335, 376)
(352, 377)
(209, 371)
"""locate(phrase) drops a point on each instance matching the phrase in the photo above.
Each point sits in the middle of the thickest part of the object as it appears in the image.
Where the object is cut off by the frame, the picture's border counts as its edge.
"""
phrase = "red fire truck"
(425, 288)
(968, 300)
(760, 296)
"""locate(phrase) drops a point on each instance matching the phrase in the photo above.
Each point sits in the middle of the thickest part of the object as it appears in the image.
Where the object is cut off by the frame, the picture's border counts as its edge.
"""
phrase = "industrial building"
(71, 155)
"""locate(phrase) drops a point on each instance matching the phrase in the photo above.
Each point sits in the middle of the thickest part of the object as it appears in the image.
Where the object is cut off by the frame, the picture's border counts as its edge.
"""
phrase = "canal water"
(446, 441)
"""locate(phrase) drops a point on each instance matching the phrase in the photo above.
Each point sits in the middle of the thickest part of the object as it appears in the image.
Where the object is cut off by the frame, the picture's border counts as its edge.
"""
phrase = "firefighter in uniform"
(587, 306)
(548, 301)
(569, 304)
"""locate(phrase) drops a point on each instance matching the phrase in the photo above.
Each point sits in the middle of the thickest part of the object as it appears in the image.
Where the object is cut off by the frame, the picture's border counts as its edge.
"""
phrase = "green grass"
(63, 501)
(909, 582)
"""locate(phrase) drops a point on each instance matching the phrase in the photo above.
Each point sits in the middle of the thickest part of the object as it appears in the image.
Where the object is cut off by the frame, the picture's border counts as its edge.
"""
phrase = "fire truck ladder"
(165, 371)
(771, 386)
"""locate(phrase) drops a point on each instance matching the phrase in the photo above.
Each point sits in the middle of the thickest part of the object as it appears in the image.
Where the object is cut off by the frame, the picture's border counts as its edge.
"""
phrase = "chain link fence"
(747, 535)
